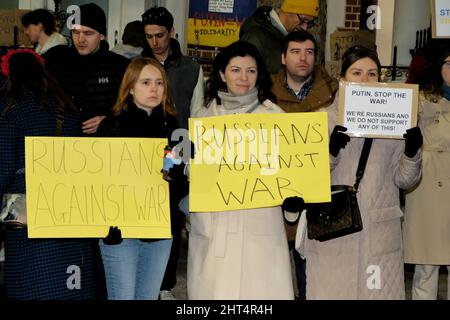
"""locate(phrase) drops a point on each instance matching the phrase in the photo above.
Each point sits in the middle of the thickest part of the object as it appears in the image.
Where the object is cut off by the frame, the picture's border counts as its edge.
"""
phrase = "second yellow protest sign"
(78, 187)
(257, 160)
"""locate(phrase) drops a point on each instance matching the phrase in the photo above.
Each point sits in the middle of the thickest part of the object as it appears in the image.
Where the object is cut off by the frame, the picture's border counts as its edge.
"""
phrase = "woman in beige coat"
(241, 254)
(367, 264)
(427, 211)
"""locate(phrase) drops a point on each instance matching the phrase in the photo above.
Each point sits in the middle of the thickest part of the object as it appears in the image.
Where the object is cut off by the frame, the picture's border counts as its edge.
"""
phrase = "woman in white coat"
(427, 219)
(367, 264)
(240, 254)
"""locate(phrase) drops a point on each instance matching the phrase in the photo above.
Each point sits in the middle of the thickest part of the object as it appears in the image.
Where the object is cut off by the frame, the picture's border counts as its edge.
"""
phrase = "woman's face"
(148, 90)
(240, 75)
(445, 71)
(363, 70)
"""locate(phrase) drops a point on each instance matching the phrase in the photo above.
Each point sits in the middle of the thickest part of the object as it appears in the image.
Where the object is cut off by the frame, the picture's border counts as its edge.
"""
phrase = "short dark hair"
(134, 34)
(298, 36)
(43, 16)
(159, 16)
(356, 53)
(238, 49)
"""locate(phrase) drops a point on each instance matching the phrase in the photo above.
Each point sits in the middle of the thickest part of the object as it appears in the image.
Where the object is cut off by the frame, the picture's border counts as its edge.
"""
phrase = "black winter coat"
(259, 31)
(92, 81)
(136, 123)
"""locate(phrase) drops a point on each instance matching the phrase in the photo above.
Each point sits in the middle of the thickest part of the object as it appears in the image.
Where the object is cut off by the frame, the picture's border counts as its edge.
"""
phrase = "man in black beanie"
(92, 74)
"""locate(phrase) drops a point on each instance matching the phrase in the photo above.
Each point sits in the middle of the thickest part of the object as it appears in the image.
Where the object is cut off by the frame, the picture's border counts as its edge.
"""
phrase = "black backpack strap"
(363, 161)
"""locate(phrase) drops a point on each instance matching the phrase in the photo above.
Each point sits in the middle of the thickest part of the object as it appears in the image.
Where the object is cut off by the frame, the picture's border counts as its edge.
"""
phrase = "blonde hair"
(129, 81)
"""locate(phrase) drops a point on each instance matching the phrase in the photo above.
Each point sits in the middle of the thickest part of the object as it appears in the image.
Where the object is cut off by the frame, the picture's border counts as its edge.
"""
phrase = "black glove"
(413, 141)
(338, 140)
(114, 237)
(292, 204)
(2, 233)
(179, 180)
(176, 173)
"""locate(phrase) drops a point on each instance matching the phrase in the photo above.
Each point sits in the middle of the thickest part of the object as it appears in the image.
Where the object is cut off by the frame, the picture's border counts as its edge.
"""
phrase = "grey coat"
(367, 264)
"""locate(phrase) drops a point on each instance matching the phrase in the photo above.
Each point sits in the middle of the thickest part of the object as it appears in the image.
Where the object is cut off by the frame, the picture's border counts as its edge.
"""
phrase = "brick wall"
(352, 14)
(272, 3)
(204, 56)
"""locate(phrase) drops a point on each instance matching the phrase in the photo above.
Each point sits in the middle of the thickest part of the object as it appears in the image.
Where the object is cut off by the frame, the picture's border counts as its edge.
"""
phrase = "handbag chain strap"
(59, 122)
(363, 161)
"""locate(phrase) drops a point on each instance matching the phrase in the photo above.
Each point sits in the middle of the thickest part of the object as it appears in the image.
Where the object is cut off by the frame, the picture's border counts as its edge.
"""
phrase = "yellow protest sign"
(78, 187)
(249, 161)
(216, 23)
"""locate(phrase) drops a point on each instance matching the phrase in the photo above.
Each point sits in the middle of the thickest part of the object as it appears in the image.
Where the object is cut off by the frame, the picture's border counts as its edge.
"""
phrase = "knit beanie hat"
(92, 16)
(306, 7)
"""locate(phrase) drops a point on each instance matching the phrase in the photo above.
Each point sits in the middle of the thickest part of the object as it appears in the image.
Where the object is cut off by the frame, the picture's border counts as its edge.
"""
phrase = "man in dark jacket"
(185, 78)
(91, 74)
(40, 28)
(268, 26)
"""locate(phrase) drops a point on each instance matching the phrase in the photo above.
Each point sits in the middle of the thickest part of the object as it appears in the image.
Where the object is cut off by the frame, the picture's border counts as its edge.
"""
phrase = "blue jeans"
(134, 269)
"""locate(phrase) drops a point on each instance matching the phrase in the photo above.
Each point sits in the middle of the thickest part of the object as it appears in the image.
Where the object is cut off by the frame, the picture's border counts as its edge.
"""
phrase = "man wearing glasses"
(267, 28)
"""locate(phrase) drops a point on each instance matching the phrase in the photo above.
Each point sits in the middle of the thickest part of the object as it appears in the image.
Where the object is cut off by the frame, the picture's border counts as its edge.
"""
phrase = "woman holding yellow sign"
(134, 268)
(241, 254)
(367, 264)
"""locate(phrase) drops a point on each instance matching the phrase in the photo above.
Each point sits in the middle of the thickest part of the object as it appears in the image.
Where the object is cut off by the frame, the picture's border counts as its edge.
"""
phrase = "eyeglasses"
(309, 23)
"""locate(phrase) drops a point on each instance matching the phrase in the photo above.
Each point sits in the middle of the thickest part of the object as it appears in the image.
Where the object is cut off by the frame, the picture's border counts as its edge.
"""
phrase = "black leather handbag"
(341, 216)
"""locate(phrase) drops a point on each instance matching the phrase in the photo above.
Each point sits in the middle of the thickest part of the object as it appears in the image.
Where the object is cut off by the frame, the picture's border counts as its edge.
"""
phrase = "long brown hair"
(129, 81)
(432, 81)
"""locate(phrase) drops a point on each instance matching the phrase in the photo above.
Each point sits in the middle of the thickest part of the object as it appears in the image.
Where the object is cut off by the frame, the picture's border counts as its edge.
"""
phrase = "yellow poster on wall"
(257, 160)
(78, 187)
(216, 23)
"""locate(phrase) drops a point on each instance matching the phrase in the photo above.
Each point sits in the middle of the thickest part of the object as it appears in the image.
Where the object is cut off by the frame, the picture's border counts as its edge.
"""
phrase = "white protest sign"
(222, 6)
(440, 13)
(378, 110)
